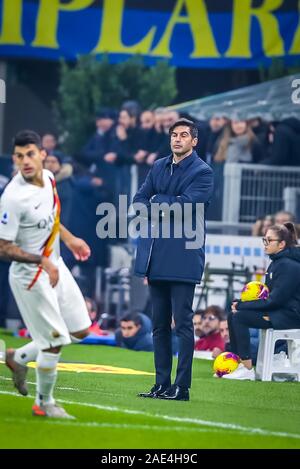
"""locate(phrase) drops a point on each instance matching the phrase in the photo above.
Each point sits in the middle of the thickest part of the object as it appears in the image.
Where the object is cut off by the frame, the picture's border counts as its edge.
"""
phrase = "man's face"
(224, 331)
(52, 164)
(129, 329)
(197, 325)
(181, 140)
(104, 124)
(49, 142)
(29, 160)
(125, 120)
(282, 217)
(147, 120)
(210, 323)
(216, 123)
(168, 119)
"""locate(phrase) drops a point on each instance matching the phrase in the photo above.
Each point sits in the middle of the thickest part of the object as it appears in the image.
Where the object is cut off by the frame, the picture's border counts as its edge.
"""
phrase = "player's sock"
(25, 354)
(46, 374)
(74, 339)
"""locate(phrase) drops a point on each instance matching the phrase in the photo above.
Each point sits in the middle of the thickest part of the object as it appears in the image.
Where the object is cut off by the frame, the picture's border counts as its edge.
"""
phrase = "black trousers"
(238, 326)
(172, 298)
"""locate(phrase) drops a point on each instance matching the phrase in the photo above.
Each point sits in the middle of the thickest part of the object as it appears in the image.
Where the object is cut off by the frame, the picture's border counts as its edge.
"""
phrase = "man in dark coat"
(180, 187)
(285, 148)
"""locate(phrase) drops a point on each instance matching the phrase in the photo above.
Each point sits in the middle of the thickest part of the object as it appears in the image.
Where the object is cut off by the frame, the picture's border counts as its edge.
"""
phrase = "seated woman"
(281, 310)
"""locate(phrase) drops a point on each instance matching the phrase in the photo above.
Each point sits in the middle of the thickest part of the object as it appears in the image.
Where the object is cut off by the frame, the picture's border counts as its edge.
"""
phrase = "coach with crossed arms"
(172, 265)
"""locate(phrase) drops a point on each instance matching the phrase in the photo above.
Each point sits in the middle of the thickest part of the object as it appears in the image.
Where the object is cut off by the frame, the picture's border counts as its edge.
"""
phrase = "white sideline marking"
(125, 426)
(207, 423)
(64, 388)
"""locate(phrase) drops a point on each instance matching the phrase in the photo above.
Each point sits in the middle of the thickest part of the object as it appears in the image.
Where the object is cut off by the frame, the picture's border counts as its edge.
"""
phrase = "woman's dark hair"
(286, 232)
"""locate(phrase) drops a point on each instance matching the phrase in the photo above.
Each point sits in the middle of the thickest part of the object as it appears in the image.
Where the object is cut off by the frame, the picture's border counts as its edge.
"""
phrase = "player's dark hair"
(286, 232)
(27, 137)
(187, 123)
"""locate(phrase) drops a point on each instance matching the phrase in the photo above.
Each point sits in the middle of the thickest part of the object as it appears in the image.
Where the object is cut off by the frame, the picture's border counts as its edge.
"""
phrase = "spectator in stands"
(158, 116)
(262, 225)
(169, 119)
(135, 333)
(64, 183)
(129, 140)
(94, 317)
(97, 156)
(210, 325)
(216, 127)
(153, 137)
(197, 320)
(133, 108)
(281, 310)
(99, 144)
(283, 216)
(49, 143)
(89, 191)
(224, 333)
(152, 140)
(286, 144)
(261, 130)
(238, 144)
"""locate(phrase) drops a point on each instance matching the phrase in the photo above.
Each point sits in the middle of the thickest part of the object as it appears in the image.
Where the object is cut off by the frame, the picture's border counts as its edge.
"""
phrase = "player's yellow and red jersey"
(30, 217)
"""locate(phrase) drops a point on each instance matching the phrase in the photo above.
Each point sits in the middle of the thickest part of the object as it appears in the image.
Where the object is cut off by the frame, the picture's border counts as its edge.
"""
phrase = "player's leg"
(238, 325)
(72, 305)
(40, 312)
(46, 367)
(75, 315)
(17, 360)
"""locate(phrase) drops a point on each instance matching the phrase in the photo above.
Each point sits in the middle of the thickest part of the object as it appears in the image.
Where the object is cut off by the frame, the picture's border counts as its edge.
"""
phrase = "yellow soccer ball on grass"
(225, 363)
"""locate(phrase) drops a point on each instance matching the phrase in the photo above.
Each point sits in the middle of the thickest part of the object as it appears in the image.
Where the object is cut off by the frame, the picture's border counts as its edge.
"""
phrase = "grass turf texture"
(221, 413)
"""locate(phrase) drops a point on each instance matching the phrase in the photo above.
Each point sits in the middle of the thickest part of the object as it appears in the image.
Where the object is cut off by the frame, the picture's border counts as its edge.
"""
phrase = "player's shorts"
(51, 314)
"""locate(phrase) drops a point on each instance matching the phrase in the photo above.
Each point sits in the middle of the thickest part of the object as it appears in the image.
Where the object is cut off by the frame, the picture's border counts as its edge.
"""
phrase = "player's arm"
(77, 246)
(9, 251)
(10, 216)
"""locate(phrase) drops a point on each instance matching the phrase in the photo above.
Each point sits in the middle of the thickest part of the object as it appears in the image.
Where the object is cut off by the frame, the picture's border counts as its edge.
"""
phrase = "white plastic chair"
(266, 365)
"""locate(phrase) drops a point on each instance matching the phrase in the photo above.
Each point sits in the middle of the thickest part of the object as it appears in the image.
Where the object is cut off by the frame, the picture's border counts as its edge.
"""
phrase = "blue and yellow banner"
(189, 33)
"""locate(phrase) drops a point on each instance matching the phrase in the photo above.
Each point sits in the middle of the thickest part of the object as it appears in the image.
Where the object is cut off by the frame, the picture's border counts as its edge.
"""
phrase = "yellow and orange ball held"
(254, 291)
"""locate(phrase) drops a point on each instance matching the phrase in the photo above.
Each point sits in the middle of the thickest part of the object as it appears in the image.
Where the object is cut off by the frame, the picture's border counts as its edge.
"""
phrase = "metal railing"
(252, 191)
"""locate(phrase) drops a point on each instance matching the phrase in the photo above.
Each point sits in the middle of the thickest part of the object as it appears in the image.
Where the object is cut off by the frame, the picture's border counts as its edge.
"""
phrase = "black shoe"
(175, 393)
(154, 392)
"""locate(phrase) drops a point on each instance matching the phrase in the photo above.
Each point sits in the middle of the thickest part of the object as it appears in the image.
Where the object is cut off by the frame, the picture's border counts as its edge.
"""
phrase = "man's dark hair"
(216, 311)
(136, 318)
(199, 312)
(187, 123)
(27, 137)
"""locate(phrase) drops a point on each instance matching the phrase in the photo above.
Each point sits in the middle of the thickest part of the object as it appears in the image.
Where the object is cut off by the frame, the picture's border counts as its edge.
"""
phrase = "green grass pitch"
(220, 414)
